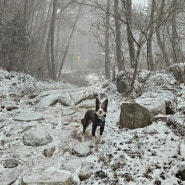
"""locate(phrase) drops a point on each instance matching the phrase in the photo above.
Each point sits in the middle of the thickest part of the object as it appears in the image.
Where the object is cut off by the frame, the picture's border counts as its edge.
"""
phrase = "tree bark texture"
(107, 34)
(158, 35)
(174, 40)
(120, 63)
(129, 34)
(54, 12)
(150, 37)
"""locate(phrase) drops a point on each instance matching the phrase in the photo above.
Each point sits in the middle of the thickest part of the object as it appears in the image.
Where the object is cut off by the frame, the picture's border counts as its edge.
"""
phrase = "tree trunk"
(174, 40)
(129, 34)
(158, 35)
(150, 37)
(107, 51)
(53, 70)
(118, 36)
(48, 58)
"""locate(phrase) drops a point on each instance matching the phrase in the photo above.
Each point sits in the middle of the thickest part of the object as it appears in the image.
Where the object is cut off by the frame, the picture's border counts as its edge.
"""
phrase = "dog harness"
(98, 122)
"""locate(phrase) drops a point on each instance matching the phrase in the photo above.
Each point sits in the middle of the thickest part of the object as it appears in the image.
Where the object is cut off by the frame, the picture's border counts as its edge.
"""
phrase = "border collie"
(97, 117)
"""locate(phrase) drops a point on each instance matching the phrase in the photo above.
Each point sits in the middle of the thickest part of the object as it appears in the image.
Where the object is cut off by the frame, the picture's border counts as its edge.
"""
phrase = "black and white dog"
(97, 117)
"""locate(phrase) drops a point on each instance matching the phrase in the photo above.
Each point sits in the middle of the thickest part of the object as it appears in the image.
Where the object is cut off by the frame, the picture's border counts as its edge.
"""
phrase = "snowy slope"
(145, 156)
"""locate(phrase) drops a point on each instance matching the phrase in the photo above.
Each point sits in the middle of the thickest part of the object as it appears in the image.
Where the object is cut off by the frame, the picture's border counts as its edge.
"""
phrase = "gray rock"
(37, 137)
(29, 116)
(123, 81)
(123, 86)
(52, 99)
(160, 80)
(83, 175)
(10, 176)
(181, 173)
(48, 178)
(178, 71)
(82, 149)
(154, 105)
(85, 170)
(87, 104)
(159, 102)
(10, 163)
(134, 116)
(67, 112)
(82, 94)
(11, 107)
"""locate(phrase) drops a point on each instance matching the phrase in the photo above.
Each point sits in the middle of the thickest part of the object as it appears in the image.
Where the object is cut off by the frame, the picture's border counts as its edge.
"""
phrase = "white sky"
(141, 2)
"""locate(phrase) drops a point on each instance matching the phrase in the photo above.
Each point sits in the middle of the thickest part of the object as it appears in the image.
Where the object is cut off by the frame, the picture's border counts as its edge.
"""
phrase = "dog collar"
(102, 119)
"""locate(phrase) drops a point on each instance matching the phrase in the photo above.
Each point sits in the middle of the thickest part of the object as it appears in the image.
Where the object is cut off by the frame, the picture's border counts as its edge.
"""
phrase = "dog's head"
(101, 108)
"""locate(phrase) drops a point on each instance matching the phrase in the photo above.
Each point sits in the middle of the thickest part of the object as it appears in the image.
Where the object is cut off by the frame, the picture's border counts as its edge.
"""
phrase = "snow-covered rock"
(10, 163)
(29, 116)
(52, 99)
(160, 80)
(48, 178)
(178, 70)
(82, 149)
(72, 165)
(158, 102)
(37, 137)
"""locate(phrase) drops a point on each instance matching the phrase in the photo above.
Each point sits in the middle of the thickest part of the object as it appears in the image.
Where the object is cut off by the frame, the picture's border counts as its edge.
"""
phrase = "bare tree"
(174, 39)
(158, 34)
(150, 37)
(50, 43)
(118, 41)
(128, 9)
(54, 12)
(107, 52)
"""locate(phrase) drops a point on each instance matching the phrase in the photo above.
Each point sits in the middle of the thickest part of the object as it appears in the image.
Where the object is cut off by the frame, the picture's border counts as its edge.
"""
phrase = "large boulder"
(178, 70)
(159, 102)
(159, 80)
(124, 79)
(134, 116)
(52, 99)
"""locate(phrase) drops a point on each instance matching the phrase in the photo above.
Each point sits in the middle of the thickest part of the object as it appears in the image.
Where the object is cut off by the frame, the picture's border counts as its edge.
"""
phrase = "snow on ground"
(145, 156)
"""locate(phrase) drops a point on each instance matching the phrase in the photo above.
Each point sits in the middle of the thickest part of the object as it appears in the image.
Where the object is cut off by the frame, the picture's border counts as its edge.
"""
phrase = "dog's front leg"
(101, 132)
(94, 126)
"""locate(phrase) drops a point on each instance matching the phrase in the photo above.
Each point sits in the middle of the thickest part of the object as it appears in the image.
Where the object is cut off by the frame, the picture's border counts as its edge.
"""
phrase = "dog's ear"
(104, 105)
(97, 104)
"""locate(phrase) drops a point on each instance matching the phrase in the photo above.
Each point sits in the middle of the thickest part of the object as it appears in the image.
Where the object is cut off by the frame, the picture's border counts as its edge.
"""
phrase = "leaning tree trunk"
(129, 34)
(174, 40)
(158, 35)
(150, 37)
(107, 51)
